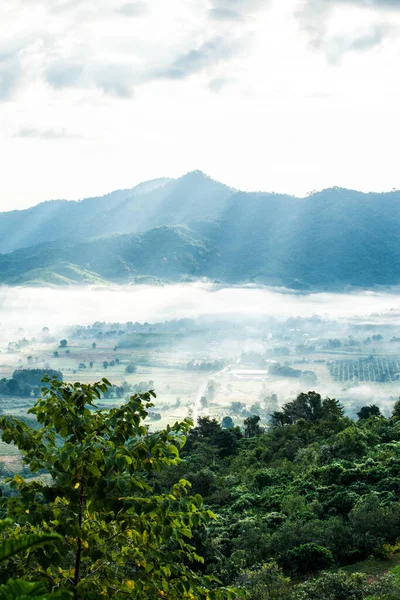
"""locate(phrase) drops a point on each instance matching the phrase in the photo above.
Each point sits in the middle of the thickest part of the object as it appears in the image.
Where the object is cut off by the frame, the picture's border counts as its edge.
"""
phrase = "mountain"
(193, 227)
(158, 202)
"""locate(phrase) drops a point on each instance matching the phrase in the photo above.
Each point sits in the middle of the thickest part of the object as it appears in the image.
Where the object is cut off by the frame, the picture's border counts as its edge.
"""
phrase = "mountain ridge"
(194, 226)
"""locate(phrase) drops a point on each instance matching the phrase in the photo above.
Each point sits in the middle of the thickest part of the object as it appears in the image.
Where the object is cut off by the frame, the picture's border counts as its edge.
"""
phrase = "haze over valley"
(208, 350)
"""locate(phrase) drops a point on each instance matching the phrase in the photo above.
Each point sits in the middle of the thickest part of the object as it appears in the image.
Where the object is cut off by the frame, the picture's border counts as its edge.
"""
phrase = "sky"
(287, 95)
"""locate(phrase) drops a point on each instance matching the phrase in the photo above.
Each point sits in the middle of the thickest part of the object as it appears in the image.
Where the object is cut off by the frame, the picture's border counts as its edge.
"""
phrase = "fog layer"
(60, 307)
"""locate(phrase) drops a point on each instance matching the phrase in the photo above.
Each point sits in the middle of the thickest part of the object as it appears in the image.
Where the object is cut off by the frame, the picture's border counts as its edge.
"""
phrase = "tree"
(55, 354)
(35, 376)
(207, 428)
(369, 411)
(251, 426)
(130, 369)
(18, 589)
(343, 586)
(94, 345)
(335, 343)
(227, 423)
(308, 558)
(352, 442)
(63, 343)
(105, 364)
(396, 409)
(266, 582)
(120, 539)
(309, 407)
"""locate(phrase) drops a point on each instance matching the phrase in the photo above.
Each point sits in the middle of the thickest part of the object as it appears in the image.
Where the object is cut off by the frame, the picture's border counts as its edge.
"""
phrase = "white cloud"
(98, 96)
(45, 134)
(316, 18)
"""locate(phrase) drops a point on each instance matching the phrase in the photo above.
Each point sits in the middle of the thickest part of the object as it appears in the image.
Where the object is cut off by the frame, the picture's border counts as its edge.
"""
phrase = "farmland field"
(375, 368)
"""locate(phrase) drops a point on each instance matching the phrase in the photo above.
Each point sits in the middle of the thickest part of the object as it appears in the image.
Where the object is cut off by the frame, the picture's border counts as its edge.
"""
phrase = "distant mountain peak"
(152, 184)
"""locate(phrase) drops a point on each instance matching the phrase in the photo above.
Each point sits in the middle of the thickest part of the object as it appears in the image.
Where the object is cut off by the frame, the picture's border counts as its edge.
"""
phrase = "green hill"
(195, 227)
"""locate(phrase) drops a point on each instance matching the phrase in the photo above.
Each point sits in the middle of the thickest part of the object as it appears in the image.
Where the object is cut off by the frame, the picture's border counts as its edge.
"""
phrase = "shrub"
(307, 559)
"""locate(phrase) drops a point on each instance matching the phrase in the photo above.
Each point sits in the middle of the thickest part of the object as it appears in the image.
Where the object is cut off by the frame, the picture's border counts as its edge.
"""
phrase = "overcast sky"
(285, 95)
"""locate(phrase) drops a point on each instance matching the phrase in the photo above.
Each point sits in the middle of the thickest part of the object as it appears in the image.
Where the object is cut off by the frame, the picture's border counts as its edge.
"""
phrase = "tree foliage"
(120, 538)
(309, 407)
(18, 589)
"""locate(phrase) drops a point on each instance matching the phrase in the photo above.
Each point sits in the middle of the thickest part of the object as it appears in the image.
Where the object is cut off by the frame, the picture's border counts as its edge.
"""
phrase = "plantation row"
(377, 368)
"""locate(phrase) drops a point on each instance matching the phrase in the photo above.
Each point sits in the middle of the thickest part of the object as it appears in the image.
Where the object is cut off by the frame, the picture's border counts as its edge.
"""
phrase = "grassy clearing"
(375, 566)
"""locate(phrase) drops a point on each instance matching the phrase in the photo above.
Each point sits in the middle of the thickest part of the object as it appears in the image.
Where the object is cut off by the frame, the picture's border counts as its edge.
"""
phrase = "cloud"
(371, 38)
(206, 55)
(102, 48)
(217, 84)
(45, 134)
(120, 79)
(112, 78)
(10, 72)
(337, 46)
(225, 14)
(314, 17)
(368, 3)
(63, 73)
(133, 9)
(235, 9)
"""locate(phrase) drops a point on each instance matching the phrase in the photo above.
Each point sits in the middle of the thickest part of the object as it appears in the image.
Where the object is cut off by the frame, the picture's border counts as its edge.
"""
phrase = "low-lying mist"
(256, 346)
(29, 308)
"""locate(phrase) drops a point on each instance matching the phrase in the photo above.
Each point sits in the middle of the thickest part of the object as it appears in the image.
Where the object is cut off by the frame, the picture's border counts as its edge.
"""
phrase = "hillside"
(195, 227)
(315, 491)
(158, 202)
(306, 508)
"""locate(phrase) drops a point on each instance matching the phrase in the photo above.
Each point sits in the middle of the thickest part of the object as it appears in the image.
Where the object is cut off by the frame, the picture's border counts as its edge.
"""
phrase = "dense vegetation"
(316, 491)
(118, 537)
(195, 227)
(295, 504)
(26, 382)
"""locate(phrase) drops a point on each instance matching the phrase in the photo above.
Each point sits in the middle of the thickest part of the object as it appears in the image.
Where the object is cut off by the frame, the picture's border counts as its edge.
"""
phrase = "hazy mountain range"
(195, 227)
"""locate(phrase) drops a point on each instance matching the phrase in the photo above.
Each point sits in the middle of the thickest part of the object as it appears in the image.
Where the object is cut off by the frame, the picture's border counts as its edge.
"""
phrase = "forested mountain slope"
(195, 227)
(158, 202)
(315, 492)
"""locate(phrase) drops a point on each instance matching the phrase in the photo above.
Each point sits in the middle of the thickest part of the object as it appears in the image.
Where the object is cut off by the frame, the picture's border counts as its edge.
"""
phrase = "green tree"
(308, 558)
(369, 411)
(352, 442)
(63, 343)
(227, 423)
(396, 409)
(266, 583)
(252, 427)
(120, 538)
(341, 586)
(18, 589)
(309, 407)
